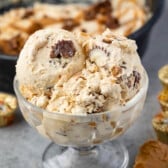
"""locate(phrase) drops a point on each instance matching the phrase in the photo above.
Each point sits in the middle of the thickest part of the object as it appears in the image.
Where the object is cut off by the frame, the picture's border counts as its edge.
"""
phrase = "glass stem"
(85, 150)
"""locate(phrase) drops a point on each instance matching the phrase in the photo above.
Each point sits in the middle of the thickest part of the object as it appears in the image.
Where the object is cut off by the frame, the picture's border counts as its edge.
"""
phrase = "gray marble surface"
(22, 147)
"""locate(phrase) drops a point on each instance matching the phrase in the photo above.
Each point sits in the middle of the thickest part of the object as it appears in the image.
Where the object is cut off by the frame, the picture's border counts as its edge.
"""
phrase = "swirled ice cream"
(78, 73)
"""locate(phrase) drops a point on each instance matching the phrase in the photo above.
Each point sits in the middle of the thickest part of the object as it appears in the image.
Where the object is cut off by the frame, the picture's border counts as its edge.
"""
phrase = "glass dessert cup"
(81, 138)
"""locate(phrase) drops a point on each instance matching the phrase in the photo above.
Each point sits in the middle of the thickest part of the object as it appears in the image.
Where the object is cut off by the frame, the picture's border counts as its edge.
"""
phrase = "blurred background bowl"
(8, 62)
(142, 35)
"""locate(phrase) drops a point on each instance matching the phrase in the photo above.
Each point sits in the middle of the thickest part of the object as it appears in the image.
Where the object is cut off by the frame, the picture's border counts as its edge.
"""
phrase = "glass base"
(108, 155)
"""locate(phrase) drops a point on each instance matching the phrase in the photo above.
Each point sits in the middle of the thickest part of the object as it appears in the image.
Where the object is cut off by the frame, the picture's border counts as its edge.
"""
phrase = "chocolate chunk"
(119, 80)
(122, 66)
(111, 22)
(89, 14)
(137, 77)
(103, 12)
(83, 30)
(64, 48)
(69, 24)
(64, 65)
(129, 83)
(103, 8)
(28, 12)
(15, 42)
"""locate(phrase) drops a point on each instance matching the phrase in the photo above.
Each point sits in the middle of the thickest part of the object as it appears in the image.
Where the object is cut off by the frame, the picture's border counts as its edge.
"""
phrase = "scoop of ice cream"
(112, 76)
(49, 57)
(101, 72)
(116, 61)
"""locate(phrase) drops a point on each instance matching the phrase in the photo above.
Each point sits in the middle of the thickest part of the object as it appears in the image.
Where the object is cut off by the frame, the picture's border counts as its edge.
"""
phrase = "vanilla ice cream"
(77, 73)
(91, 87)
(49, 57)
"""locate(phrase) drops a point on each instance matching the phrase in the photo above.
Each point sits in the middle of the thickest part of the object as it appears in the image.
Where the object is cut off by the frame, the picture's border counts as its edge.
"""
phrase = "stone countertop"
(22, 147)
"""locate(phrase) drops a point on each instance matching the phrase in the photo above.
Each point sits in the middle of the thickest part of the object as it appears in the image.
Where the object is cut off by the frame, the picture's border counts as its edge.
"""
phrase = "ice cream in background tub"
(123, 17)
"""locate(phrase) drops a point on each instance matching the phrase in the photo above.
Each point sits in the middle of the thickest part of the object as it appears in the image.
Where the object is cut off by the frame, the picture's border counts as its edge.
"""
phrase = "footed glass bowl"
(79, 141)
(141, 36)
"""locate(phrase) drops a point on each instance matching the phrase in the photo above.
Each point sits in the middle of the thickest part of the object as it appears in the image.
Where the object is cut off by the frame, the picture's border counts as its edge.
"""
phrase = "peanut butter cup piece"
(152, 154)
(163, 76)
(64, 48)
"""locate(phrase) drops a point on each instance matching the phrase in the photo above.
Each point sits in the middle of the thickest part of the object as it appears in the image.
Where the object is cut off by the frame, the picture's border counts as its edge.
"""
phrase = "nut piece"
(64, 48)
(107, 40)
(116, 70)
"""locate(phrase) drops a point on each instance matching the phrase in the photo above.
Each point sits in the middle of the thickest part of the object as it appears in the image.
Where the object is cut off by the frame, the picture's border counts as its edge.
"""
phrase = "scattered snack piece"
(163, 76)
(163, 95)
(8, 105)
(163, 100)
(160, 125)
(152, 154)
